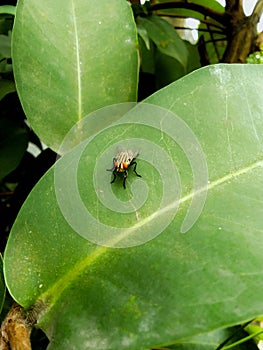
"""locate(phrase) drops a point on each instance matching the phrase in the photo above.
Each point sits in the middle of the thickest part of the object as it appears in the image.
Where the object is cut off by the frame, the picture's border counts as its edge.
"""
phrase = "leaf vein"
(78, 63)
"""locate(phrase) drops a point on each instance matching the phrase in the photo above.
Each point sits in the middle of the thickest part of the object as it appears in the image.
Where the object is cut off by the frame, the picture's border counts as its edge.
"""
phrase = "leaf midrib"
(79, 86)
(53, 293)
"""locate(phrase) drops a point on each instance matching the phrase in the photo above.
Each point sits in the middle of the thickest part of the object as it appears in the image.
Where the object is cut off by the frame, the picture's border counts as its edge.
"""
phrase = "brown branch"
(242, 34)
(204, 57)
(258, 10)
(17, 325)
(199, 30)
(15, 331)
(234, 5)
(213, 41)
(212, 24)
(206, 11)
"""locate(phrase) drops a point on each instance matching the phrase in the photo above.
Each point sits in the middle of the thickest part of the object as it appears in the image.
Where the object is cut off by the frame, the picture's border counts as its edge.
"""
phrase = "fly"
(121, 163)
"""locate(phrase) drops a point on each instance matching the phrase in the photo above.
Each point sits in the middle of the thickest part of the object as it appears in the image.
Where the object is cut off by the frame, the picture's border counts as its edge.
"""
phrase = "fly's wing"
(119, 150)
(126, 157)
(130, 151)
(134, 154)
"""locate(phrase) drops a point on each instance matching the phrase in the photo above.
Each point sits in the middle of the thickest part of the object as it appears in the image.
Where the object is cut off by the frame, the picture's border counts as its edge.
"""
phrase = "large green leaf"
(70, 58)
(175, 285)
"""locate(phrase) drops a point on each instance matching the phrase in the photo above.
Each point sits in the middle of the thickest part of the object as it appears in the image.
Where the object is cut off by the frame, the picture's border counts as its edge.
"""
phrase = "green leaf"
(70, 58)
(165, 38)
(168, 69)
(256, 331)
(212, 4)
(185, 12)
(210, 341)
(6, 86)
(147, 57)
(165, 286)
(144, 35)
(8, 9)
(5, 45)
(13, 144)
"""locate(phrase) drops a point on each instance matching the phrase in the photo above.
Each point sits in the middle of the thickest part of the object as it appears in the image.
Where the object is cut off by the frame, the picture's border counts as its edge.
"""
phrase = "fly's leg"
(114, 176)
(134, 169)
(125, 175)
(114, 167)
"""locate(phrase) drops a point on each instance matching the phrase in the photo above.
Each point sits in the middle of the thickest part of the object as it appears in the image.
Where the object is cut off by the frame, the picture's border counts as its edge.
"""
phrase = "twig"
(212, 24)
(199, 30)
(258, 10)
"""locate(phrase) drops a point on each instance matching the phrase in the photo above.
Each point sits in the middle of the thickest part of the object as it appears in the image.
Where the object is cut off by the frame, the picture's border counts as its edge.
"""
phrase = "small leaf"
(187, 13)
(5, 45)
(144, 35)
(167, 69)
(212, 4)
(165, 38)
(13, 144)
(147, 57)
(6, 86)
(8, 9)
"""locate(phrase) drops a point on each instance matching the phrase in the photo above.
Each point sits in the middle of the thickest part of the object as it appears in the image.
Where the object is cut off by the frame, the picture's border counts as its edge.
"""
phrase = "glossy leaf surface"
(71, 58)
(176, 285)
